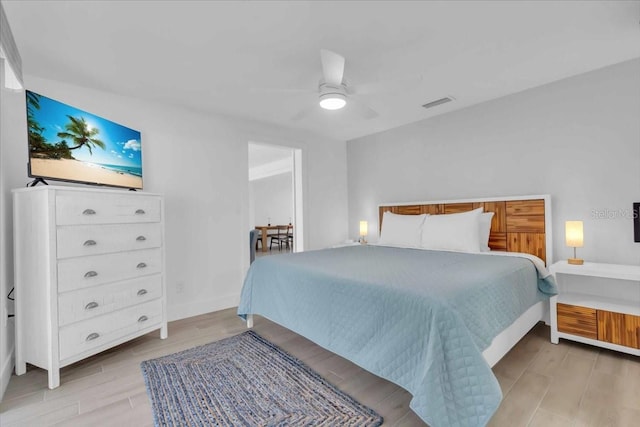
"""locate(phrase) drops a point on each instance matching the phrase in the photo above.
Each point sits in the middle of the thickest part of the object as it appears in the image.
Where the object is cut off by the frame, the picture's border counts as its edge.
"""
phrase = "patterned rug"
(246, 381)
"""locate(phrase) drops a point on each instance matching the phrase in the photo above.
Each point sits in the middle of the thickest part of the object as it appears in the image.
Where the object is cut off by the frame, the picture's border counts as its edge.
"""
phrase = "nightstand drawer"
(577, 320)
(619, 328)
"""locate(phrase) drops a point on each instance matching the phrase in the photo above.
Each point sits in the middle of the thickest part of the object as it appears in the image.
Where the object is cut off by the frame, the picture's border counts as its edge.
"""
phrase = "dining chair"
(290, 236)
(280, 237)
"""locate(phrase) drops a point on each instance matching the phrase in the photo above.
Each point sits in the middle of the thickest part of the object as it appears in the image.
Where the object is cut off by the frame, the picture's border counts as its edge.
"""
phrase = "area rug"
(246, 381)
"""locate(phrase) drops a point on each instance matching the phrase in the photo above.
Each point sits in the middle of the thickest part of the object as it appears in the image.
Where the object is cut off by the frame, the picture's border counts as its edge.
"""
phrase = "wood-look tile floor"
(543, 384)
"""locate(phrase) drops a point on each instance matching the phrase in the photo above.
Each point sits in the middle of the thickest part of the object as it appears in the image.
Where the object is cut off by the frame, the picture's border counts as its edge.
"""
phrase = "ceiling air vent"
(438, 102)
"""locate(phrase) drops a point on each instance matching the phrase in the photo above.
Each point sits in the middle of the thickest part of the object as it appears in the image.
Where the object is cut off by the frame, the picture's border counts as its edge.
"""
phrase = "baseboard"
(7, 371)
(182, 311)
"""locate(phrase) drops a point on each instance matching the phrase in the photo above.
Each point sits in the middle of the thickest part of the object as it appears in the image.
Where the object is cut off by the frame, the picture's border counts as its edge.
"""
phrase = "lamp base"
(575, 261)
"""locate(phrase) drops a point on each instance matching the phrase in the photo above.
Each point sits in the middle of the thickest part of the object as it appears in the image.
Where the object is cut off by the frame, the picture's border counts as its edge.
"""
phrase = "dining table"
(264, 233)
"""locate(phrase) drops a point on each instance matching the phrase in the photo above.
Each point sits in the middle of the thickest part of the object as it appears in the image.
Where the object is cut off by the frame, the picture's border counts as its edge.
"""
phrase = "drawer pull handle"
(88, 212)
(89, 243)
(142, 292)
(142, 319)
(141, 238)
(92, 336)
(140, 212)
(91, 305)
(89, 274)
(141, 265)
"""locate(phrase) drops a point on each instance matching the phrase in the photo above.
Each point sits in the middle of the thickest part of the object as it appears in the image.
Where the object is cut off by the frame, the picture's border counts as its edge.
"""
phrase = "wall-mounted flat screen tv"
(68, 144)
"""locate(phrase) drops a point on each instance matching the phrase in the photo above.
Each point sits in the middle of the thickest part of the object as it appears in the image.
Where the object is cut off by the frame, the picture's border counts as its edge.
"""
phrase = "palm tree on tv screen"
(78, 131)
(36, 139)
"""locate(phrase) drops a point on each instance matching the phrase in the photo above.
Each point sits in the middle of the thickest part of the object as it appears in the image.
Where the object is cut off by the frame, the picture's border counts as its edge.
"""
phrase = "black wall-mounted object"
(636, 222)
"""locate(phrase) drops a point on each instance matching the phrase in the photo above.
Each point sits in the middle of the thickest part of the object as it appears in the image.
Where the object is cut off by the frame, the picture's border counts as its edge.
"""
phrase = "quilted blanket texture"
(418, 318)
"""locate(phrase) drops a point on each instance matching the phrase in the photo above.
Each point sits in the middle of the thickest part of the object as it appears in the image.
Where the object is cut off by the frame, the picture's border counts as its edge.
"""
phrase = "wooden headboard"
(519, 224)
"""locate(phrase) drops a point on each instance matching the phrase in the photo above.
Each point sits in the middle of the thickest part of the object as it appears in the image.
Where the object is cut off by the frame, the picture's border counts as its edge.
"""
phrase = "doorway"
(275, 197)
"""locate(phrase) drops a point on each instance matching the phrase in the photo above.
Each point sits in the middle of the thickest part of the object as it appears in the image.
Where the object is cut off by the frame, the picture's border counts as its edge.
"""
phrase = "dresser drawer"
(84, 304)
(85, 240)
(83, 336)
(104, 208)
(84, 272)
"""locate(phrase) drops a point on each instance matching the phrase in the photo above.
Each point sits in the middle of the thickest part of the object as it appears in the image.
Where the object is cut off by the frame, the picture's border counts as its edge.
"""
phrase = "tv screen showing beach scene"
(68, 144)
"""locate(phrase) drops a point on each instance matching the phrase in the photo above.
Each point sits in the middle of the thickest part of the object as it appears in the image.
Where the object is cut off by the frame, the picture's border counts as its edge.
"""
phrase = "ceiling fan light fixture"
(332, 101)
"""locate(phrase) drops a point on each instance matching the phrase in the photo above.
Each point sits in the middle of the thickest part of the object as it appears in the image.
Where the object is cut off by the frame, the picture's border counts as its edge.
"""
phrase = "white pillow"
(452, 232)
(485, 231)
(401, 230)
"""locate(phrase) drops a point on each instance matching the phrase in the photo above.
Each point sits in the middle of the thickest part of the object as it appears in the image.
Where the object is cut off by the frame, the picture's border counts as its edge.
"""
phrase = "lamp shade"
(364, 228)
(574, 234)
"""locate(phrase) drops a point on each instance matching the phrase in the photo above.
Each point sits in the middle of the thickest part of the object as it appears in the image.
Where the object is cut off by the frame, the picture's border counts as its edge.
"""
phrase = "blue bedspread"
(420, 319)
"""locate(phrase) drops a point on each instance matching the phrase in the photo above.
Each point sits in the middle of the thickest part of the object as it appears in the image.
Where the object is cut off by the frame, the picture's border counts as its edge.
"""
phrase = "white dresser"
(89, 273)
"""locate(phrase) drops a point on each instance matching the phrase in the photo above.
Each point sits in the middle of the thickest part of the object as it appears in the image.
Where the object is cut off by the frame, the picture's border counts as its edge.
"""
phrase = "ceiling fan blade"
(390, 85)
(305, 112)
(362, 109)
(281, 90)
(332, 67)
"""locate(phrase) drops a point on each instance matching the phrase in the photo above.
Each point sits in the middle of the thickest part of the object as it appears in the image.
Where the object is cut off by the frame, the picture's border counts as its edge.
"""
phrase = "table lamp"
(364, 230)
(575, 239)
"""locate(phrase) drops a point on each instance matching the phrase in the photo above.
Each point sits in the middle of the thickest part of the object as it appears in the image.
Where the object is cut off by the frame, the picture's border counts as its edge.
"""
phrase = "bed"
(431, 321)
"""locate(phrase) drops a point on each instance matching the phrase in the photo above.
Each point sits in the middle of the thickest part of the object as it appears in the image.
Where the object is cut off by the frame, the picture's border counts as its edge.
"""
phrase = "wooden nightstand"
(605, 314)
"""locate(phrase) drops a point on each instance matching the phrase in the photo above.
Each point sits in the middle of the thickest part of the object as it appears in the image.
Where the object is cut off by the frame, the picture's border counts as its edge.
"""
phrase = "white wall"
(199, 162)
(9, 117)
(273, 199)
(577, 139)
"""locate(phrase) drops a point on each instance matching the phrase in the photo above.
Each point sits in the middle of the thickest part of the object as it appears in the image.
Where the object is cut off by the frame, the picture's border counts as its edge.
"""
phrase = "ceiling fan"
(333, 92)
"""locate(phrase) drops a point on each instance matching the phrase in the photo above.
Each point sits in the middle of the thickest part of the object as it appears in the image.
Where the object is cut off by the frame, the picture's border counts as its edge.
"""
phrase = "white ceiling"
(245, 58)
